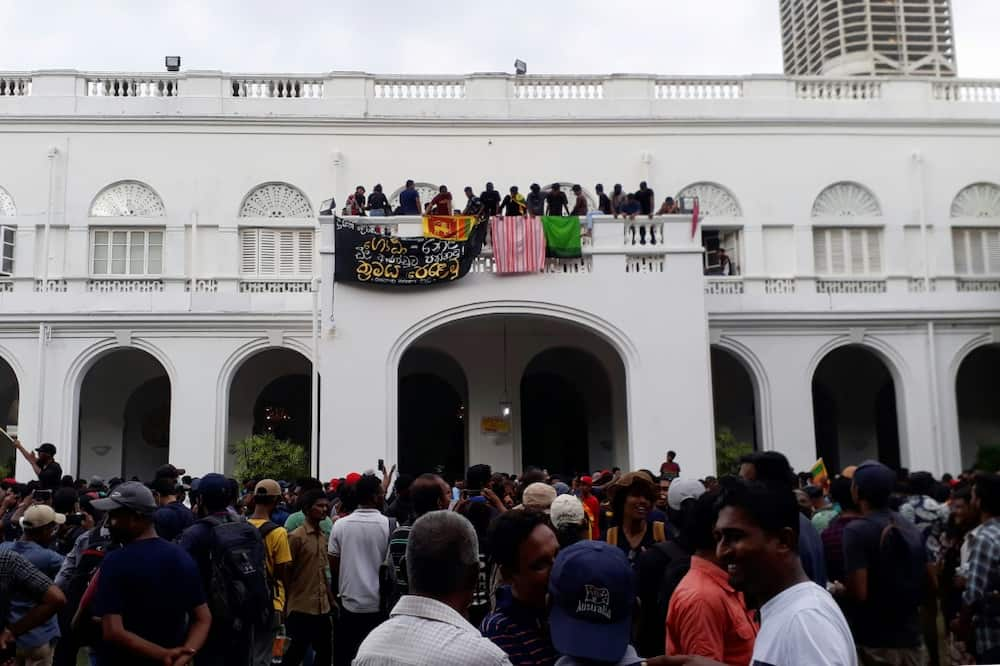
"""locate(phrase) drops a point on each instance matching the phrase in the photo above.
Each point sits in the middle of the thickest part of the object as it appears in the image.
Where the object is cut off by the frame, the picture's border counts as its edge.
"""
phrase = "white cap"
(40, 515)
(683, 489)
(538, 496)
(566, 510)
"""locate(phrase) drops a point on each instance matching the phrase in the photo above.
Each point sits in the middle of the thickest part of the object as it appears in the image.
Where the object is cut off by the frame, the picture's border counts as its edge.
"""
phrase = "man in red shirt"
(706, 616)
(670, 470)
(441, 203)
(590, 505)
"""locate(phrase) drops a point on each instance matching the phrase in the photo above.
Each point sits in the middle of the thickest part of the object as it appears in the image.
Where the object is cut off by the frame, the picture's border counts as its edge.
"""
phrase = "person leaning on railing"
(378, 204)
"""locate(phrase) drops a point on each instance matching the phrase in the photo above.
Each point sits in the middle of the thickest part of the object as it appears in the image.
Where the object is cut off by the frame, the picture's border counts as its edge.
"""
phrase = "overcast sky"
(433, 36)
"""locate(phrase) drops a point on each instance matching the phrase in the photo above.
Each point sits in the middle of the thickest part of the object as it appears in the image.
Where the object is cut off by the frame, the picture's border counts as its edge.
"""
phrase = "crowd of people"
(762, 567)
(551, 200)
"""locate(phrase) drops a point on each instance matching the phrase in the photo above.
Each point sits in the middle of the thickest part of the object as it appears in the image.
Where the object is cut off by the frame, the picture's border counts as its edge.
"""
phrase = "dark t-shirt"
(645, 199)
(491, 201)
(172, 519)
(408, 202)
(153, 584)
(880, 622)
(50, 476)
(556, 201)
(536, 203)
(811, 552)
(604, 203)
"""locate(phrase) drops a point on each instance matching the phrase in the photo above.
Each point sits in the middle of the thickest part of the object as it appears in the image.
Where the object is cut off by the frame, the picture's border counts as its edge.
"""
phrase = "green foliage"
(267, 457)
(728, 451)
(988, 458)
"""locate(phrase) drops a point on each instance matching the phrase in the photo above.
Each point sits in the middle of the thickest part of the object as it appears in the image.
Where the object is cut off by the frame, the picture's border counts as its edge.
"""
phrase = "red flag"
(694, 218)
(518, 244)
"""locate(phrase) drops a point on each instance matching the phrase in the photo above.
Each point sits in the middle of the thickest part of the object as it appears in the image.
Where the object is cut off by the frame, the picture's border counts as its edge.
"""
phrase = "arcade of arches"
(977, 391)
(733, 397)
(562, 385)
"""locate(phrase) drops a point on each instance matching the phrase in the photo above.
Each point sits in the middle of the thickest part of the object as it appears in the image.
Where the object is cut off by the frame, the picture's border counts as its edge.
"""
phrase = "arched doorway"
(124, 419)
(9, 405)
(977, 392)
(854, 409)
(734, 398)
(567, 420)
(433, 422)
(271, 393)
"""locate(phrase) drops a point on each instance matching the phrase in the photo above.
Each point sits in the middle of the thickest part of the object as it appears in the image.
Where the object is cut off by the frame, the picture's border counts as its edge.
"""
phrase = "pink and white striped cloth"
(518, 244)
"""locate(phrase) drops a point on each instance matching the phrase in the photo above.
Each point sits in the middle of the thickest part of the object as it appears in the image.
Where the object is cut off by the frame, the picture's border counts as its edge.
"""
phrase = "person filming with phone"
(43, 462)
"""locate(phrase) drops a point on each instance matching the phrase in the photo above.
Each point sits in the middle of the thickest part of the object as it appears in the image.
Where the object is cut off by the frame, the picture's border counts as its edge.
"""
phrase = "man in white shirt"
(757, 540)
(428, 627)
(357, 548)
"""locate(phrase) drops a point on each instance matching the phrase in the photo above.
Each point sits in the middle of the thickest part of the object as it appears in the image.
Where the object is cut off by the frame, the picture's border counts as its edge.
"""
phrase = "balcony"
(490, 95)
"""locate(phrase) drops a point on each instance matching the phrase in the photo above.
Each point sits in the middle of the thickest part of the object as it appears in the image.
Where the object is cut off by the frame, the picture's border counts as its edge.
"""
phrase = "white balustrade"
(401, 88)
(724, 286)
(203, 285)
(124, 286)
(274, 286)
(550, 88)
(967, 91)
(55, 286)
(779, 286)
(979, 285)
(635, 264)
(277, 87)
(129, 86)
(643, 231)
(850, 286)
(919, 286)
(698, 89)
(15, 85)
(6, 286)
(838, 89)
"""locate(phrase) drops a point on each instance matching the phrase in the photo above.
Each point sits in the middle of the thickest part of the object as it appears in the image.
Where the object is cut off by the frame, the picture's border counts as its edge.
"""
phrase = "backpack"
(659, 533)
(901, 571)
(387, 591)
(238, 593)
(86, 632)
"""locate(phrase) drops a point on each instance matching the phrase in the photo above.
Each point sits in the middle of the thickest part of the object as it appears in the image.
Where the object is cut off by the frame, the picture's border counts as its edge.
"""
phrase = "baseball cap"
(593, 590)
(874, 480)
(213, 485)
(47, 448)
(587, 480)
(683, 489)
(538, 496)
(565, 511)
(267, 487)
(352, 478)
(40, 515)
(131, 495)
(167, 471)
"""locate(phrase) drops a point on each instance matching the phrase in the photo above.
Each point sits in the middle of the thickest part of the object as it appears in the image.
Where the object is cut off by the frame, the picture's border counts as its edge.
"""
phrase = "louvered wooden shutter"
(992, 239)
(307, 246)
(819, 251)
(874, 248)
(960, 251)
(838, 251)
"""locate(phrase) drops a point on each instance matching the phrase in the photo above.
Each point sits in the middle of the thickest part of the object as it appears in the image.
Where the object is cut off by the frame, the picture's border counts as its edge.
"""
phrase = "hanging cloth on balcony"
(448, 227)
(518, 244)
(370, 258)
(562, 237)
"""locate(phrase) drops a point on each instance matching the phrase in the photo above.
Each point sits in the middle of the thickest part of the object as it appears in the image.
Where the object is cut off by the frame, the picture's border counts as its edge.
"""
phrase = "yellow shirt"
(276, 552)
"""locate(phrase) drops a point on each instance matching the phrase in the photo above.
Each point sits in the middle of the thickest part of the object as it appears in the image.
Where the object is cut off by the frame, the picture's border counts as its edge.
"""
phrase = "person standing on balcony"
(630, 208)
(618, 199)
(491, 201)
(409, 200)
(378, 205)
(535, 201)
(603, 202)
(580, 204)
(356, 202)
(441, 203)
(556, 201)
(669, 207)
(513, 204)
(473, 204)
(725, 263)
(645, 197)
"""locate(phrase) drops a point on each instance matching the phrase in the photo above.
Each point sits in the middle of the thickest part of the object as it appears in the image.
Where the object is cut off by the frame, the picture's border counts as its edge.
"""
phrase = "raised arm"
(28, 455)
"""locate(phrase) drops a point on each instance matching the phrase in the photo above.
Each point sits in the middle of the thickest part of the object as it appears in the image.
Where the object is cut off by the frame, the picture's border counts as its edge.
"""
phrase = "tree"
(728, 451)
(988, 458)
(267, 457)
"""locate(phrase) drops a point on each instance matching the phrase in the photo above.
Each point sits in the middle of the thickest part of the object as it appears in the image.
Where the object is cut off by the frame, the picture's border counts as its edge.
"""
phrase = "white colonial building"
(167, 284)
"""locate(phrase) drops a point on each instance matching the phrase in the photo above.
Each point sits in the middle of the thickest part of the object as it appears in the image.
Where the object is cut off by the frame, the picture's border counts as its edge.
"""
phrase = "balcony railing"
(360, 95)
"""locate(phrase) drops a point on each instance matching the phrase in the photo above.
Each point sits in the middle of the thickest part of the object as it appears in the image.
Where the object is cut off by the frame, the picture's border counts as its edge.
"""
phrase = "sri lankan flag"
(448, 227)
(818, 472)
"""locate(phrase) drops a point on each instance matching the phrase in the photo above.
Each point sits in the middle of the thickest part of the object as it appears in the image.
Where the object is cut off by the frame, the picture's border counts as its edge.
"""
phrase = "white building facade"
(167, 282)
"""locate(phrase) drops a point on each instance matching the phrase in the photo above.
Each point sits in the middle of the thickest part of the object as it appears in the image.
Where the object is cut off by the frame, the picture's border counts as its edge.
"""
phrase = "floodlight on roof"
(172, 63)
(520, 67)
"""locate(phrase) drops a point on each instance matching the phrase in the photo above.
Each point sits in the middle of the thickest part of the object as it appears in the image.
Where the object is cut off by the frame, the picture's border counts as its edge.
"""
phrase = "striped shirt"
(520, 631)
(425, 632)
(983, 583)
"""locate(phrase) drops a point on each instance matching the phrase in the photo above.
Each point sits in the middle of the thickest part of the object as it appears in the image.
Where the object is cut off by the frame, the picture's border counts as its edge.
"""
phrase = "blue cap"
(213, 485)
(593, 591)
(874, 480)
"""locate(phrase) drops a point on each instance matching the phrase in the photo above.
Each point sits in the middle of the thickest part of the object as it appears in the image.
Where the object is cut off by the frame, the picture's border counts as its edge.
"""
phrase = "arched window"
(276, 200)
(977, 200)
(7, 208)
(713, 199)
(127, 198)
(846, 199)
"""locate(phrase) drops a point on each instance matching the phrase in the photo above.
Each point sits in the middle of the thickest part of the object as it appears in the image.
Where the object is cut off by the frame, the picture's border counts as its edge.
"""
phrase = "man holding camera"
(43, 462)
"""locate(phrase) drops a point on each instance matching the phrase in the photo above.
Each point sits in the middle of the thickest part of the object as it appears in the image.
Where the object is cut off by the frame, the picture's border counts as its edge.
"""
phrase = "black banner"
(366, 257)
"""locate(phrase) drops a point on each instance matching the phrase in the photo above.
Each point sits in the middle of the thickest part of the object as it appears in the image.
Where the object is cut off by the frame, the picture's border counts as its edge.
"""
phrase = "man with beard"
(757, 541)
(147, 570)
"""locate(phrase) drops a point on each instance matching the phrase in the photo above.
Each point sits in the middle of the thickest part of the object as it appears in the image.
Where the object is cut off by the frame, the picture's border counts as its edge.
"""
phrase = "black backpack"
(86, 632)
(238, 592)
(902, 564)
